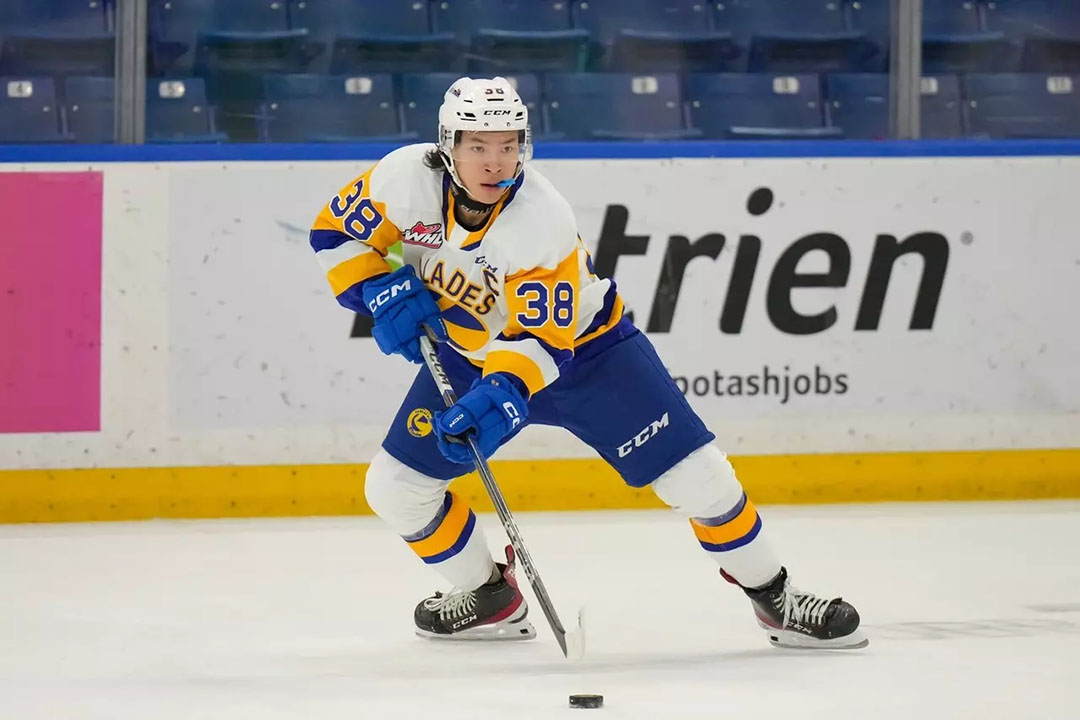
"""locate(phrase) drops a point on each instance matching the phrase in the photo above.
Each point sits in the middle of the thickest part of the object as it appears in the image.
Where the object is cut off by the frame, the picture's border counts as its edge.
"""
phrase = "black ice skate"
(496, 611)
(798, 619)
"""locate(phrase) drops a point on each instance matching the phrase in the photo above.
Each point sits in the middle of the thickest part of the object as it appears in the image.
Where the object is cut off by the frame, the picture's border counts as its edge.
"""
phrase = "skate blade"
(798, 641)
(509, 631)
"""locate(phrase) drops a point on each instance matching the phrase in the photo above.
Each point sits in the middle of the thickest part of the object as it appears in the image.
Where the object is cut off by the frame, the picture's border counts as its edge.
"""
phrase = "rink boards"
(851, 326)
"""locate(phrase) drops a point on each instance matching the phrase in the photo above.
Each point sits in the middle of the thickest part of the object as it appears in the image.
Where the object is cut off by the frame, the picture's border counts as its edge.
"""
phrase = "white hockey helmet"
(482, 105)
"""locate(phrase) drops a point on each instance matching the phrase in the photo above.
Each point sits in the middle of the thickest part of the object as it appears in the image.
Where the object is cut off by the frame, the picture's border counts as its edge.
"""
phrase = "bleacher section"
(353, 70)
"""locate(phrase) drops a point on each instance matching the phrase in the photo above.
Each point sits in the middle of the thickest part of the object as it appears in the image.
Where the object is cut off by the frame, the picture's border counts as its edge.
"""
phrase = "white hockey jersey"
(517, 296)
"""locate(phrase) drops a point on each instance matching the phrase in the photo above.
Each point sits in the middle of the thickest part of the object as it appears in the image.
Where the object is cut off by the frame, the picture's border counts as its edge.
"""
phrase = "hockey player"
(492, 262)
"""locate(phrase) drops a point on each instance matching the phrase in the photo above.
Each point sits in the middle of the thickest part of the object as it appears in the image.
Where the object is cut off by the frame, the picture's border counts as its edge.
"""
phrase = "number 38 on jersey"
(545, 304)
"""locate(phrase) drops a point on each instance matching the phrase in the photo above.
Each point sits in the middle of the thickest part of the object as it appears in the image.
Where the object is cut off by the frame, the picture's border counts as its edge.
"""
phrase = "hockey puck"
(586, 701)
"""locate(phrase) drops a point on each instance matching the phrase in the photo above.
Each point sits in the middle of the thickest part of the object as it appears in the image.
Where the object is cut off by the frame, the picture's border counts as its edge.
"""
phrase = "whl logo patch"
(421, 234)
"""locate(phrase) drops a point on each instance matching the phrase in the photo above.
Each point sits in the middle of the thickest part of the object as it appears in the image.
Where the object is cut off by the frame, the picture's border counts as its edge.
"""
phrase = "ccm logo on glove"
(453, 425)
(402, 306)
(458, 425)
(513, 414)
(388, 294)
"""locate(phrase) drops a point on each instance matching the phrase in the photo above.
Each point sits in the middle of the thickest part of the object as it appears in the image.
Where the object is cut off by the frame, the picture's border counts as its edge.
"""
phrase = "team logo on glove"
(419, 422)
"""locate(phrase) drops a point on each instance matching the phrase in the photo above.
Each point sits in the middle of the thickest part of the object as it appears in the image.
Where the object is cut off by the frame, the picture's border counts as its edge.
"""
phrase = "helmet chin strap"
(463, 198)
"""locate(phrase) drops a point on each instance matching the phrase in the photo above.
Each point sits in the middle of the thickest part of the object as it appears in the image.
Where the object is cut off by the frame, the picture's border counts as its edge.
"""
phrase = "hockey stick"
(572, 643)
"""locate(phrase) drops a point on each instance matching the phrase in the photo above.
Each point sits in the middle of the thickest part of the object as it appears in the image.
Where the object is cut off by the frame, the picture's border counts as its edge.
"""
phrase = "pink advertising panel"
(50, 301)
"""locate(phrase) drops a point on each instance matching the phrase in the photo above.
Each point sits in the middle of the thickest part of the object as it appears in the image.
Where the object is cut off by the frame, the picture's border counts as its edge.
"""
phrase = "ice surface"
(973, 611)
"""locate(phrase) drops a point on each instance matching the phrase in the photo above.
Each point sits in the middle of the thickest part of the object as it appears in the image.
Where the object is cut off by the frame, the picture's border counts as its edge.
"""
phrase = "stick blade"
(575, 639)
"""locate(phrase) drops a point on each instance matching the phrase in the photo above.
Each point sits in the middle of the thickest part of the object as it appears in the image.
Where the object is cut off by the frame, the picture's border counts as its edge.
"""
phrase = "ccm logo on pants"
(644, 436)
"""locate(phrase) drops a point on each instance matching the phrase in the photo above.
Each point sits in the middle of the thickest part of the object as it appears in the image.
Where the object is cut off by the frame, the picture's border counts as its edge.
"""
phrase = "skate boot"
(798, 619)
(495, 611)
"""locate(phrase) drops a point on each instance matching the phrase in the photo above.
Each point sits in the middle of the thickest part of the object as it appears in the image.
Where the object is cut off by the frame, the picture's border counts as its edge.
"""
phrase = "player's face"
(483, 159)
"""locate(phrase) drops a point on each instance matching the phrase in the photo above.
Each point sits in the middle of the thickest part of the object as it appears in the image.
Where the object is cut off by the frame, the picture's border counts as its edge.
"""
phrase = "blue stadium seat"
(28, 111)
(230, 43)
(248, 34)
(91, 112)
(246, 52)
(528, 87)
(514, 35)
(616, 106)
(941, 107)
(54, 55)
(1049, 31)
(395, 55)
(421, 96)
(89, 89)
(93, 54)
(954, 38)
(1022, 105)
(940, 17)
(655, 35)
(327, 19)
(185, 19)
(951, 17)
(975, 52)
(796, 36)
(55, 37)
(1023, 18)
(872, 17)
(740, 105)
(606, 19)
(464, 17)
(331, 108)
(985, 52)
(54, 17)
(859, 105)
(177, 110)
(374, 36)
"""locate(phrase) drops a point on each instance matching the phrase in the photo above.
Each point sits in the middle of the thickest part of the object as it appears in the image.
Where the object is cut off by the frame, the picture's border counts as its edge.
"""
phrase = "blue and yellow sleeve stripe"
(607, 317)
(351, 236)
(527, 358)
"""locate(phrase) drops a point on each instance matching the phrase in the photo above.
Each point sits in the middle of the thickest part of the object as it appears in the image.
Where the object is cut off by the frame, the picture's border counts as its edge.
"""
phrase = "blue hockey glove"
(490, 411)
(401, 305)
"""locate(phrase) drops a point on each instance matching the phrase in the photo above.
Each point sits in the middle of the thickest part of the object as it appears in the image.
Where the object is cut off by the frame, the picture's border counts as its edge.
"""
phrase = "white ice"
(973, 611)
